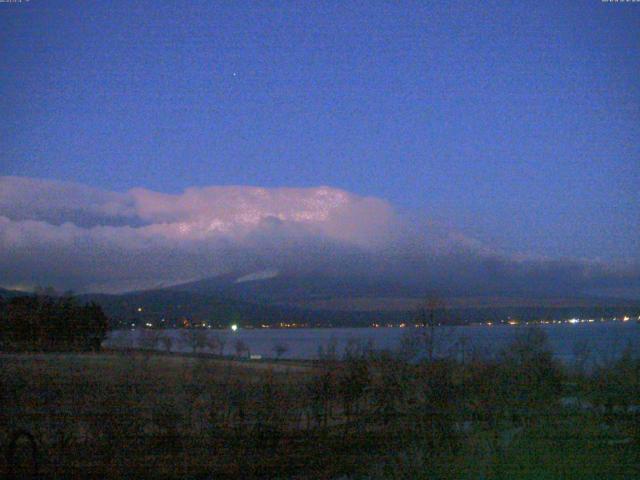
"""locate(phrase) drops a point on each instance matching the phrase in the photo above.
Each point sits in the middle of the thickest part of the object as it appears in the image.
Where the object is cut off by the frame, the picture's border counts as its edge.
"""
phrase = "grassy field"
(167, 416)
(117, 413)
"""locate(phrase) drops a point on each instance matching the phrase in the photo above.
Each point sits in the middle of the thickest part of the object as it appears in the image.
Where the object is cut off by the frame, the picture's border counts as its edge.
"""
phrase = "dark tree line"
(46, 323)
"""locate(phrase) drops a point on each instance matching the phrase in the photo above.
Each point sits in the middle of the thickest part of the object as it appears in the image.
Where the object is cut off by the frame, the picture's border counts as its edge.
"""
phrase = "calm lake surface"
(605, 341)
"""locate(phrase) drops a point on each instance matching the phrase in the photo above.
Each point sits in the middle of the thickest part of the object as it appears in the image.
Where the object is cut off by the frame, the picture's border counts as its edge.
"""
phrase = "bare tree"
(532, 377)
(212, 343)
(429, 337)
(222, 340)
(167, 342)
(241, 348)
(462, 347)
(582, 355)
(216, 343)
(194, 338)
(429, 316)
(149, 339)
(328, 352)
(280, 349)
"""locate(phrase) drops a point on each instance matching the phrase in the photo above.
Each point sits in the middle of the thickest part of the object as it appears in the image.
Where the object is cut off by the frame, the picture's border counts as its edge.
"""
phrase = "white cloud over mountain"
(77, 236)
(73, 236)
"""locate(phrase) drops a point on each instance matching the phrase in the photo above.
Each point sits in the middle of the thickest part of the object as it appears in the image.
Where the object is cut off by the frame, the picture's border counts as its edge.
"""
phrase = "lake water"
(605, 341)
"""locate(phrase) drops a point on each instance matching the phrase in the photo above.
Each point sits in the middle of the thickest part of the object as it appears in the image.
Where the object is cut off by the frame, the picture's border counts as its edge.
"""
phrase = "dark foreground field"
(113, 415)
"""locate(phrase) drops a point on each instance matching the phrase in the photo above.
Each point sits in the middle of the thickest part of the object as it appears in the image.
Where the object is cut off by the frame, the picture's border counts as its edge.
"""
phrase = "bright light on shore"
(234, 327)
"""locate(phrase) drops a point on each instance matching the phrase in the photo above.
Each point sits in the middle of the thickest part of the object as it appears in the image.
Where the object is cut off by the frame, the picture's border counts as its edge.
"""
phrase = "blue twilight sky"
(516, 123)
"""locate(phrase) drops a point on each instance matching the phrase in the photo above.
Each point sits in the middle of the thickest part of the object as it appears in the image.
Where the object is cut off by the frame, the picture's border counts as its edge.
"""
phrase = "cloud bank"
(75, 237)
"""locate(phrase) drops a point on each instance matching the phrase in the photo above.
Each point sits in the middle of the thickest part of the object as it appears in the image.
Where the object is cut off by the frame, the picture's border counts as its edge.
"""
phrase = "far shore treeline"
(46, 323)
